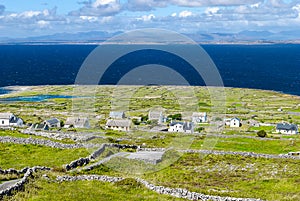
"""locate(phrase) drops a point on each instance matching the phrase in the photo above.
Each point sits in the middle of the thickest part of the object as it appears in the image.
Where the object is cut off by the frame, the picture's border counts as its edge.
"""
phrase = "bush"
(175, 117)
(136, 122)
(261, 133)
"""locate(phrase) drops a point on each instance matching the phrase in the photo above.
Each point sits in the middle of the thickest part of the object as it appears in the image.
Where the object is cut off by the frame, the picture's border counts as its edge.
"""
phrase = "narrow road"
(7, 184)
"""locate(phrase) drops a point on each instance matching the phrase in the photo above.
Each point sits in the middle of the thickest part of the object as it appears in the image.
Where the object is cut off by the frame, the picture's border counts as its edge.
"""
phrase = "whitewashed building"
(181, 127)
(156, 115)
(77, 122)
(199, 117)
(233, 122)
(9, 119)
(287, 128)
(118, 124)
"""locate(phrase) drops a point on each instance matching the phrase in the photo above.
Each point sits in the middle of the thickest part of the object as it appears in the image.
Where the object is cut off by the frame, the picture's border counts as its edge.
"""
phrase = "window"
(2, 122)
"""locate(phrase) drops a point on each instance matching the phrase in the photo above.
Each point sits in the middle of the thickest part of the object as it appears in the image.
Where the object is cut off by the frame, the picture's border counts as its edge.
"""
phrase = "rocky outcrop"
(28, 172)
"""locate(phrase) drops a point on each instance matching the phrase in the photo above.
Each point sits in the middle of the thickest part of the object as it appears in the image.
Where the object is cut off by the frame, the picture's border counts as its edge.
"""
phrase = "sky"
(19, 18)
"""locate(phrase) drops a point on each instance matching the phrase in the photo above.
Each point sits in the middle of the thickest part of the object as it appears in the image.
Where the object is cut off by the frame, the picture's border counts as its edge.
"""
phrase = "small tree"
(261, 133)
(135, 121)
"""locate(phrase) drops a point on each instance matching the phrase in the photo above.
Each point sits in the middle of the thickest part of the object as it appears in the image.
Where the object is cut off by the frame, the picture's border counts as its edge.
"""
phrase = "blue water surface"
(271, 67)
(37, 98)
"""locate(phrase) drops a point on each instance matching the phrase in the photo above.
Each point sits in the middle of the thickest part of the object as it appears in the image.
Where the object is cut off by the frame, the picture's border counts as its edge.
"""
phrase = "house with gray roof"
(52, 123)
(157, 116)
(77, 122)
(118, 124)
(199, 117)
(9, 119)
(181, 127)
(117, 115)
(233, 122)
(41, 126)
(286, 128)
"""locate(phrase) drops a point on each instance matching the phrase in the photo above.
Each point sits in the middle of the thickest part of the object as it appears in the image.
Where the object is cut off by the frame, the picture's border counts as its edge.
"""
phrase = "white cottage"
(181, 127)
(156, 115)
(233, 122)
(199, 117)
(9, 119)
(287, 128)
(77, 122)
(118, 124)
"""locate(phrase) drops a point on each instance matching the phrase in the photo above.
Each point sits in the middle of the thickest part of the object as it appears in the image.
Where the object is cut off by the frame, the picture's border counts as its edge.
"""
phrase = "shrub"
(261, 133)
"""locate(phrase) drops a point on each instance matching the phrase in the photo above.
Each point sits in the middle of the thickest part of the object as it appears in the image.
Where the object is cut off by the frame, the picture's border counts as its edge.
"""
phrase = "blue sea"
(271, 67)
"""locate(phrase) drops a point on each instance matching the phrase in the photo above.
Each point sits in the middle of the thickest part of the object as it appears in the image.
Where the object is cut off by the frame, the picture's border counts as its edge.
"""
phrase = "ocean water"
(271, 67)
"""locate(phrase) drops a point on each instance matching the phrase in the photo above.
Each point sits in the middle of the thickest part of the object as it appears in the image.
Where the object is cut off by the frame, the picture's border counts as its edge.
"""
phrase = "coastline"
(17, 89)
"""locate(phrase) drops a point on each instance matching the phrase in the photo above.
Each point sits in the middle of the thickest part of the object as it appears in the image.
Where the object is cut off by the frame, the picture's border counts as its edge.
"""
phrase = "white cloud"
(146, 18)
(43, 23)
(30, 14)
(99, 8)
(88, 18)
(185, 14)
(210, 11)
(174, 14)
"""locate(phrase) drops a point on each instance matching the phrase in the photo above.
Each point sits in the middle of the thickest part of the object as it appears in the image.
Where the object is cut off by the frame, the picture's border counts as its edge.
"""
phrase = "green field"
(224, 175)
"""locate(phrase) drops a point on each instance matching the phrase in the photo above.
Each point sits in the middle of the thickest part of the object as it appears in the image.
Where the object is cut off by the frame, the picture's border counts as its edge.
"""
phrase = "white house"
(287, 128)
(52, 123)
(156, 115)
(77, 122)
(181, 127)
(118, 124)
(9, 119)
(199, 117)
(233, 122)
(117, 115)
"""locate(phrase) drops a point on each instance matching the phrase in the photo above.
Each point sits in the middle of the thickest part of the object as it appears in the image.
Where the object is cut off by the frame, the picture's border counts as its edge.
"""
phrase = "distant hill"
(246, 36)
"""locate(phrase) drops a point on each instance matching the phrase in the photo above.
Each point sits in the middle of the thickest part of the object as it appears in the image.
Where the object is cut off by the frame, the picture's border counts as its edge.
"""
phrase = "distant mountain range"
(100, 36)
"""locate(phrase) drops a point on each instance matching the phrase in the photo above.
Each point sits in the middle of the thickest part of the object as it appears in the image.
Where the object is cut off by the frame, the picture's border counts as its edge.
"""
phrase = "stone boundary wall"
(20, 184)
(246, 154)
(84, 161)
(48, 143)
(58, 135)
(175, 192)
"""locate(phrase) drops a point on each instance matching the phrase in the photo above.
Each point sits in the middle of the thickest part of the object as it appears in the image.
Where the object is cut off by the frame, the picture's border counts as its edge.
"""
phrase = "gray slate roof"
(117, 114)
(118, 123)
(287, 127)
(52, 121)
(155, 114)
(76, 121)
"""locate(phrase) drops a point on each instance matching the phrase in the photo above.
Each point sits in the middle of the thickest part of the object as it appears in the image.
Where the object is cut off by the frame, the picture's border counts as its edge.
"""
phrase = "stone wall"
(28, 172)
(175, 192)
(84, 161)
(48, 143)
(246, 154)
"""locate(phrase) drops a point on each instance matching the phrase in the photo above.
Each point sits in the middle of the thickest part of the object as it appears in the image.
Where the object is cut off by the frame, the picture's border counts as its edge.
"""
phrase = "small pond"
(37, 98)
